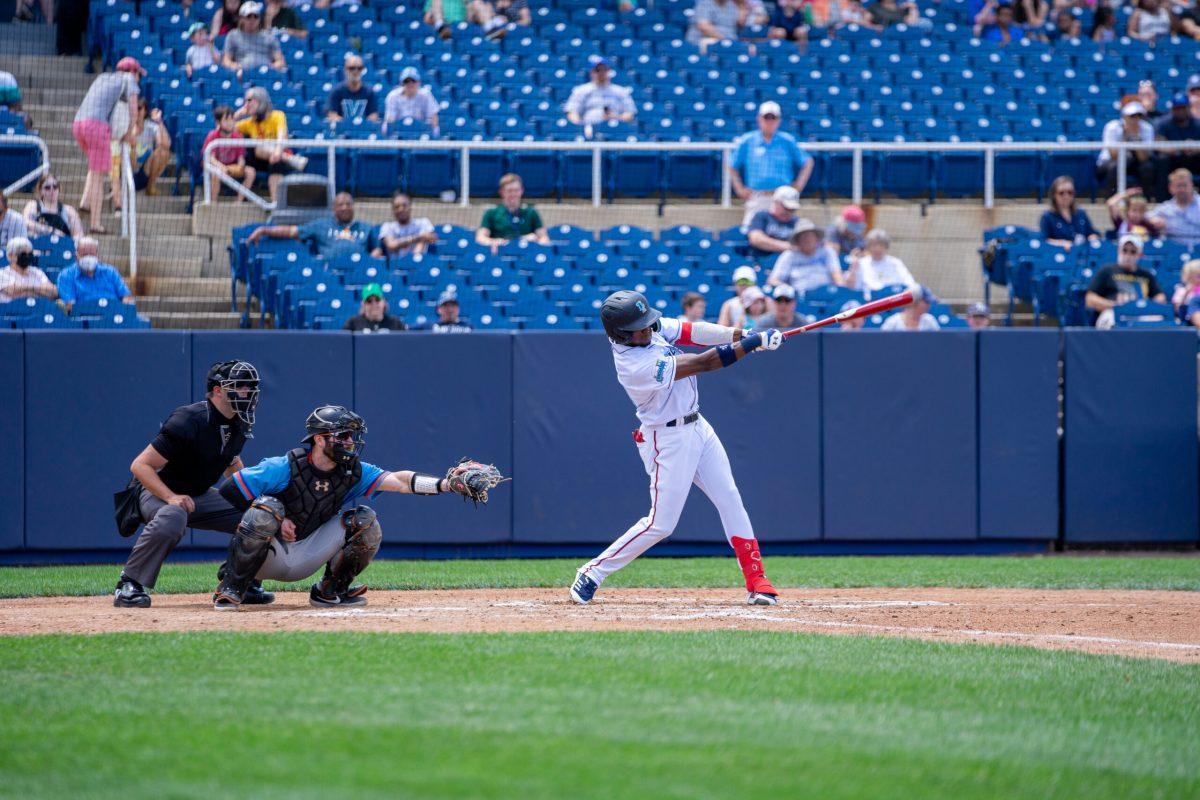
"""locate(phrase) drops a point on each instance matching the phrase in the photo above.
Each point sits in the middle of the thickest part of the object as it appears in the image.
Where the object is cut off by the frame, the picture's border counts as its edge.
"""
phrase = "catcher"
(293, 520)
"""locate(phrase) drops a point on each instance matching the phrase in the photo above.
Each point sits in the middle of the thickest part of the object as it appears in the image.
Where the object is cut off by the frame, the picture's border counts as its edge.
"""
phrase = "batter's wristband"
(726, 354)
(751, 343)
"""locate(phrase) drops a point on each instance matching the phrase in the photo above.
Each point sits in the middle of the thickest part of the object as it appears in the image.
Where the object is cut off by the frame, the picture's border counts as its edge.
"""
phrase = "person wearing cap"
(93, 132)
(808, 263)
(783, 315)
(1150, 20)
(915, 316)
(201, 54)
(599, 100)
(278, 16)
(733, 313)
(511, 219)
(352, 99)
(1179, 126)
(1122, 282)
(715, 21)
(1139, 164)
(250, 47)
(330, 236)
(694, 305)
(1180, 216)
(373, 316)
(978, 316)
(771, 230)
(754, 304)
(411, 100)
(448, 320)
(765, 159)
(404, 235)
(846, 234)
(878, 268)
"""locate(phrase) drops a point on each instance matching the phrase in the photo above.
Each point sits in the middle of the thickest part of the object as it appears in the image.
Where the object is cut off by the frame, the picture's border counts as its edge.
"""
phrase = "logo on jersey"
(660, 369)
(640, 306)
(320, 486)
(225, 434)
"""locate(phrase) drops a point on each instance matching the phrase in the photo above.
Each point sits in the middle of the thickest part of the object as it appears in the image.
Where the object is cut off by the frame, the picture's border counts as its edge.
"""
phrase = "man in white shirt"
(404, 235)
(878, 268)
(1140, 166)
(411, 100)
(914, 317)
(1180, 216)
(678, 447)
(599, 100)
(20, 278)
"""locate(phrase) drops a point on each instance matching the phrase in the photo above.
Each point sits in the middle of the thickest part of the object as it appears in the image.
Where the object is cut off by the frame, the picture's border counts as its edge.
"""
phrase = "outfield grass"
(1036, 572)
(663, 715)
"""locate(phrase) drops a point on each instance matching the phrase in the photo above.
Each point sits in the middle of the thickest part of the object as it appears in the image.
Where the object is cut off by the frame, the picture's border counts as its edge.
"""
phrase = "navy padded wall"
(12, 433)
(1018, 433)
(1130, 450)
(428, 400)
(97, 399)
(900, 453)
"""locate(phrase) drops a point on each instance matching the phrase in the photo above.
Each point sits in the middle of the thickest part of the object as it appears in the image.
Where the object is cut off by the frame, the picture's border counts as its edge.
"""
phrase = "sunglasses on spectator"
(50, 186)
(355, 69)
(770, 116)
(1066, 191)
(1132, 251)
(374, 299)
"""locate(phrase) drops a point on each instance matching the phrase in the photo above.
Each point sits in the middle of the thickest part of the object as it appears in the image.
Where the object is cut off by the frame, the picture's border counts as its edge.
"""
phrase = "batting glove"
(772, 339)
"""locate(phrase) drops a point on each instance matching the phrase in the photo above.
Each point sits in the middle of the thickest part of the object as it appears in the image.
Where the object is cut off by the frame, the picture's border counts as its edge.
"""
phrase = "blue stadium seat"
(1145, 314)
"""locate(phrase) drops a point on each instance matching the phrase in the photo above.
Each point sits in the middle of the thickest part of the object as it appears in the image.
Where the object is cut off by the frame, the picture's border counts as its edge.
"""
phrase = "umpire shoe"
(584, 589)
(130, 594)
(256, 596)
(226, 600)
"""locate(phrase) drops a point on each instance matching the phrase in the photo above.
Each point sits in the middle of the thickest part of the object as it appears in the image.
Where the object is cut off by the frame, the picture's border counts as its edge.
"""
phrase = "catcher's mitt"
(472, 479)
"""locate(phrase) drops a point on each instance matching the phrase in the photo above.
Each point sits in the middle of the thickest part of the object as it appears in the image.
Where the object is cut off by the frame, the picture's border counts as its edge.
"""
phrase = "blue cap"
(922, 293)
(448, 296)
(598, 61)
(978, 310)
(1193, 82)
(1178, 99)
(410, 73)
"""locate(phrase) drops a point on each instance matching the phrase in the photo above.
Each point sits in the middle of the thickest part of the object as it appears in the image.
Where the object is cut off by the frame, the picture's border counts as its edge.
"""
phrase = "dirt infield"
(1149, 624)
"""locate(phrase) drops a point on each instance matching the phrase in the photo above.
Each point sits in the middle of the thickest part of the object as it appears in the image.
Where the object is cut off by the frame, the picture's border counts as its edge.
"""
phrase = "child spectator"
(202, 54)
(1186, 298)
(230, 160)
(1130, 213)
(694, 306)
(733, 313)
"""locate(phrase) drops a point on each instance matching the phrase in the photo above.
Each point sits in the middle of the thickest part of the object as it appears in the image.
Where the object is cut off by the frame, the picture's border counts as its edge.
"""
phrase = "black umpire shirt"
(199, 445)
(360, 324)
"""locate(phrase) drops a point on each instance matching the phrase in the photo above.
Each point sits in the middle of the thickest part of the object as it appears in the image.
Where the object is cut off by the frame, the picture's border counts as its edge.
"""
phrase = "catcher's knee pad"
(362, 522)
(363, 537)
(251, 543)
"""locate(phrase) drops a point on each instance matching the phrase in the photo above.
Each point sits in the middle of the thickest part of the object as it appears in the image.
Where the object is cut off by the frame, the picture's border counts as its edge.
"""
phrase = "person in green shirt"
(510, 220)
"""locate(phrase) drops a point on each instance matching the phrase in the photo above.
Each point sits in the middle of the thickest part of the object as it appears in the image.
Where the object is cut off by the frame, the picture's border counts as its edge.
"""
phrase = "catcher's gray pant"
(165, 526)
(303, 558)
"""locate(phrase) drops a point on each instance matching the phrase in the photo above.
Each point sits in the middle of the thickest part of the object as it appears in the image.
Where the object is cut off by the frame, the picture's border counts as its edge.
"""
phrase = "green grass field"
(717, 714)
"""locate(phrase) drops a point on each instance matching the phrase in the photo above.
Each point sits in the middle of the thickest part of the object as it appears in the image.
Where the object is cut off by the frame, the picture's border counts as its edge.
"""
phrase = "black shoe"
(130, 594)
(318, 599)
(255, 596)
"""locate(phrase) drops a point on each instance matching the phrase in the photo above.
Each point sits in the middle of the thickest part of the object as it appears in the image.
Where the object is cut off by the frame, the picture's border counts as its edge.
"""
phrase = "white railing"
(37, 171)
(856, 149)
(129, 209)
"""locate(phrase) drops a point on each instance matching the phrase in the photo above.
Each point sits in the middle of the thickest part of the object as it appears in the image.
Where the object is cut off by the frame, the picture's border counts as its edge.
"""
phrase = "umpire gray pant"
(305, 557)
(165, 526)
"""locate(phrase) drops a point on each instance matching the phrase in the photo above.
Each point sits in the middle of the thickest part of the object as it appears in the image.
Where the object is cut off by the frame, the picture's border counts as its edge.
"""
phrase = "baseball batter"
(678, 447)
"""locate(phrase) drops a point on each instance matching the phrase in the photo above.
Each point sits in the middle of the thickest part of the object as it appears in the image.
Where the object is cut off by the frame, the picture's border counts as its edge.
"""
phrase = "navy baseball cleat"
(130, 594)
(584, 589)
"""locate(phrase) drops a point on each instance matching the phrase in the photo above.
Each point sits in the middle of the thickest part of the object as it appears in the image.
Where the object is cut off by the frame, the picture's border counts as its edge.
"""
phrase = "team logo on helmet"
(640, 306)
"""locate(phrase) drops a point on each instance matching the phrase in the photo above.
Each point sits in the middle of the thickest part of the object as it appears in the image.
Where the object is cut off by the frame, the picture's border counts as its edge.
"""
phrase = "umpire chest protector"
(312, 497)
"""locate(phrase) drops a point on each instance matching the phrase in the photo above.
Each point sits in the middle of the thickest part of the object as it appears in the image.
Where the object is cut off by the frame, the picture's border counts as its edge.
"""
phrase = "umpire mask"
(239, 381)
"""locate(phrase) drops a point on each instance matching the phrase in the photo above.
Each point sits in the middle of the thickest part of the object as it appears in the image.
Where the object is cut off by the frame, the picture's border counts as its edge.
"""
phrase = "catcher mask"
(345, 429)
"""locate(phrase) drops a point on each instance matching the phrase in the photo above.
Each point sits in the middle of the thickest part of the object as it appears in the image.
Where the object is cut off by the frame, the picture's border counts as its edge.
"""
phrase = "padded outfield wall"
(841, 442)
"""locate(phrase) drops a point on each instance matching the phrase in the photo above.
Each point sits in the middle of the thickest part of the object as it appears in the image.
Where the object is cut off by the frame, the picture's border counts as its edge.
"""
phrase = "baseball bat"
(865, 310)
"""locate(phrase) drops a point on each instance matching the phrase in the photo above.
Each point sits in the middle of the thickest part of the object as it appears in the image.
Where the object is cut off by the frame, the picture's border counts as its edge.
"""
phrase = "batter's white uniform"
(676, 453)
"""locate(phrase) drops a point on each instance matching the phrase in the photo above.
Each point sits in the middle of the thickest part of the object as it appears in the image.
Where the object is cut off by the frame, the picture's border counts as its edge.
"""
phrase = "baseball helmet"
(239, 380)
(338, 421)
(626, 312)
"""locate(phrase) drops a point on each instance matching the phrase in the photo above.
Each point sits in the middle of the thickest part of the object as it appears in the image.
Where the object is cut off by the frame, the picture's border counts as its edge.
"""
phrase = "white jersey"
(648, 376)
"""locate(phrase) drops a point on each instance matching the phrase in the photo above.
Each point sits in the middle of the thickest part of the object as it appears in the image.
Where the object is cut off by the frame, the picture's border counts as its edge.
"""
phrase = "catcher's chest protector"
(312, 498)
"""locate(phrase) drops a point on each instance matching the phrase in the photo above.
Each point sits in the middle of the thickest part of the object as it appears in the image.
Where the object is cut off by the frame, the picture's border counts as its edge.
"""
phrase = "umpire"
(195, 446)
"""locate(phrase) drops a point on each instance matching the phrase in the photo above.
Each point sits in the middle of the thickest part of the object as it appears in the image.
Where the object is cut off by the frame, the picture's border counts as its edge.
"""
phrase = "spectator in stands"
(1189, 20)
(1150, 20)
(404, 235)
(279, 17)
(411, 100)
(978, 316)
(846, 234)
(878, 268)
(1031, 14)
(24, 11)
(487, 14)
(448, 319)
(886, 13)
(1180, 216)
(715, 21)
(733, 313)
(12, 224)
(250, 47)
(1122, 282)
(510, 220)
(514, 12)
(783, 316)
(372, 316)
(444, 14)
(260, 121)
(1064, 224)
(329, 236)
(21, 278)
(1066, 26)
(764, 160)
(225, 18)
(1179, 126)
(201, 54)
(92, 132)
(229, 160)
(848, 12)
(149, 151)
(1193, 95)
(694, 305)
(1187, 296)
(771, 230)
(91, 279)
(1147, 95)
(47, 214)
(851, 324)
(915, 316)
(599, 100)
(808, 263)
(1104, 25)
(352, 99)
(10, 92)
(1139, 164)
(1129, 212)
(1004, 29)
(754, 305)
(791, 21)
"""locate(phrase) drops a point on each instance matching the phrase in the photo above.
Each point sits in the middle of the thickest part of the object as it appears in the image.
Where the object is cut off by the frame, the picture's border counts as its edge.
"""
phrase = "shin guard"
(750, 560)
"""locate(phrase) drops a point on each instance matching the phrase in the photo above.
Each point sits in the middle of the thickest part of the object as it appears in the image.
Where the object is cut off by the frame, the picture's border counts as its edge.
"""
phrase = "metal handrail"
(129, 208)
(36, 172)
(856, 149)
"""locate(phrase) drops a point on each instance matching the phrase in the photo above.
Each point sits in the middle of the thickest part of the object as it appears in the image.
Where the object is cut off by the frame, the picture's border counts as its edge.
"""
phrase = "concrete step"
(151, 268)
(179, 285)
(27, 38)
(53, 97)
(202, 319)
(61, 79)
(184, 304)
(41, 64)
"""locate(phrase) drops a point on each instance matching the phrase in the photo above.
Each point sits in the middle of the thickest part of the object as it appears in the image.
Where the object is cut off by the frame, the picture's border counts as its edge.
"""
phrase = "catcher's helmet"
(239, 380)
(338, 421)
(625, 312)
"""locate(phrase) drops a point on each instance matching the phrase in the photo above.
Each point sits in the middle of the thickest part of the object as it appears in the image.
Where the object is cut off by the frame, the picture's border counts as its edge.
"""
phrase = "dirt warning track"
(1147, 624)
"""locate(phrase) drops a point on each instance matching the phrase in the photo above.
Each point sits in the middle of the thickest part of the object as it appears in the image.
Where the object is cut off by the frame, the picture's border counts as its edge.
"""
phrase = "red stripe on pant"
(653, 511)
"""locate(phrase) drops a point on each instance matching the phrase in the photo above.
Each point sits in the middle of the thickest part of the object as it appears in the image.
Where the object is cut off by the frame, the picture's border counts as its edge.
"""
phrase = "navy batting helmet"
(625, 312)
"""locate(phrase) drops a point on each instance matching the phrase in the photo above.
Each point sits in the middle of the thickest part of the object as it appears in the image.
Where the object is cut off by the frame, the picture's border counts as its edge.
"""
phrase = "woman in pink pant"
(93, 133)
